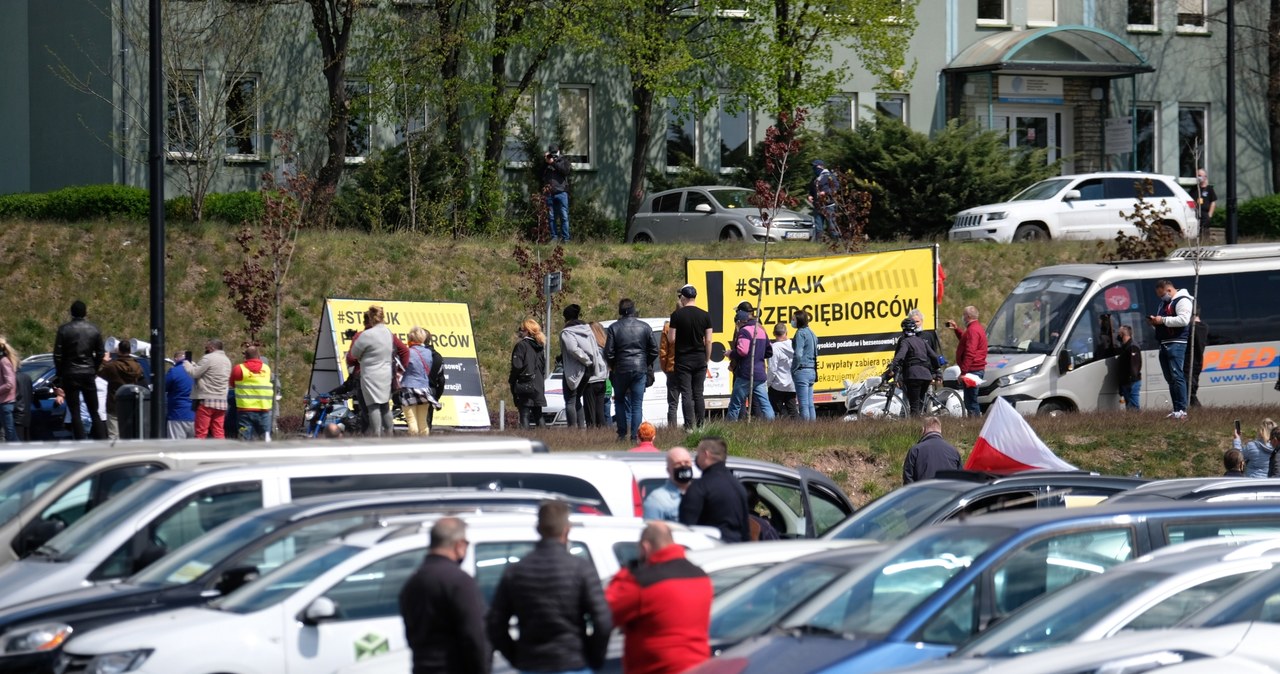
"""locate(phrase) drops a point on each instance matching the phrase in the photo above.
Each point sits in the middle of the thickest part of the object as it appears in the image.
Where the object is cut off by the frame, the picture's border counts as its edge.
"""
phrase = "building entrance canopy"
(1059, 50)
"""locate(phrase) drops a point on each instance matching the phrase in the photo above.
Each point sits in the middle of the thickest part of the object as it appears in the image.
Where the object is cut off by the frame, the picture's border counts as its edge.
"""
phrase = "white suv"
(1086, 206)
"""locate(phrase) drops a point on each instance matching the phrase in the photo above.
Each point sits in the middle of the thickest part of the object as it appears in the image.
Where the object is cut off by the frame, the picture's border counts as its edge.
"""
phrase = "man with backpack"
(822, 198)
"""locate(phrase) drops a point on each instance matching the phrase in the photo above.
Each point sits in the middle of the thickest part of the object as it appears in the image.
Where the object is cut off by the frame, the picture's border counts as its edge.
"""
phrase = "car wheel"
(1172, 228)
(642, 238)
(1055, 408)
(730, 234)
(1031, 233)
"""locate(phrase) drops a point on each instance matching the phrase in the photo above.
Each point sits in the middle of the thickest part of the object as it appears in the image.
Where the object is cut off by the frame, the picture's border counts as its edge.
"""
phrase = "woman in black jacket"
(528, 371)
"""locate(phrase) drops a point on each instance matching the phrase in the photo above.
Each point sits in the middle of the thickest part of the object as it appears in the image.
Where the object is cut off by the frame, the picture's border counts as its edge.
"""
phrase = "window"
(359, 121)
(492, 560)
(1191, 15)
(825, 509)
(682, 138)
(1236, 527)
(243, 118)
(1142, 13)
(182, 115)
(92, 492)
(1042, 12)
(312, 535)
(955, 623)
(838, 113)
(519, 127)
(667, 203)
(735, 138)
(1192, 133)
(693, 199)
(1147, 141)
(302, 487)
(992, 11)
(374, 591)
(1055, 562)
(575, 115)
(892, 105)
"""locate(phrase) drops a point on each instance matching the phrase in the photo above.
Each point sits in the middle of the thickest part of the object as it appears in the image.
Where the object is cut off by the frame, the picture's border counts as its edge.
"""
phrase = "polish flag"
(1007, 443)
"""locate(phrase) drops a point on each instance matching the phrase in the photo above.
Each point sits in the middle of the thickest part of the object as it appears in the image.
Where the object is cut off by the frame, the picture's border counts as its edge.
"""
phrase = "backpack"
(828, 181)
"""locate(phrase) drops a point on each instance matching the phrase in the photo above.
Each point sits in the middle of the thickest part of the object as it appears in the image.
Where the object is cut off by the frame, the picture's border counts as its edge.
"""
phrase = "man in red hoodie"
(971, 355)
(662, 606)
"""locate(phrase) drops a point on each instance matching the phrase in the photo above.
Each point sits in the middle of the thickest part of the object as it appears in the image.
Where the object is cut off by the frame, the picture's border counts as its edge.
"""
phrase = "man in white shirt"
(782, 389)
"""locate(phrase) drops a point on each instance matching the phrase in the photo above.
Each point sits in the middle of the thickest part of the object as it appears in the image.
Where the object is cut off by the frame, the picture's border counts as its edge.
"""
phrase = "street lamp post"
(1231, 122)
(155, 182)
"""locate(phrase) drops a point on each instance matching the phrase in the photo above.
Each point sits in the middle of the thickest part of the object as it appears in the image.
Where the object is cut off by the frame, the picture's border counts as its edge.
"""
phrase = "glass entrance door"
(1032, 130)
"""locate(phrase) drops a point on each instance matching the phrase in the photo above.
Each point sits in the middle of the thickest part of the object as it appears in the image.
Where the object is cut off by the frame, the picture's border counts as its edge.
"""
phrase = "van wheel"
(730, 234)
(642, 238)
(1055, 408)
(1031, 233)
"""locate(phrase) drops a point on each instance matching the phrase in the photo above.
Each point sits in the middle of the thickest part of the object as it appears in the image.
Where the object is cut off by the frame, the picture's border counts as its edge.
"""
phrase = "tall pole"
(155, 182)
(1231, 122)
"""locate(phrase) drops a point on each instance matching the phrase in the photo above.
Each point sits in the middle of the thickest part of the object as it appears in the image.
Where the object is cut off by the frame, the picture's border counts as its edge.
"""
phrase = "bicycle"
(886, 400)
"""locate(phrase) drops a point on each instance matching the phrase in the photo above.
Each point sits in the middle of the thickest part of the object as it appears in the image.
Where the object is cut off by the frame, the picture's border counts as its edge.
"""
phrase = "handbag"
(397, 373)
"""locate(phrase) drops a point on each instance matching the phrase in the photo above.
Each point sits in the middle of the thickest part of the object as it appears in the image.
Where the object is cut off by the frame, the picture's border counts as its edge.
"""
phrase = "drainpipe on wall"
(122, 130)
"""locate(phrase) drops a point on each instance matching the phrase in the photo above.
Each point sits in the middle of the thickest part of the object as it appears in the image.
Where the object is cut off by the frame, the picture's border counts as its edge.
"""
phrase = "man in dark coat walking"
(930, 454)
(716, 499)
(553, 596)
(78, 351)
(442, 608)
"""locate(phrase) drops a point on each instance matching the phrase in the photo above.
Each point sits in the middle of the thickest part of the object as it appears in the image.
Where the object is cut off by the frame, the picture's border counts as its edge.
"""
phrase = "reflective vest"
(253, 391)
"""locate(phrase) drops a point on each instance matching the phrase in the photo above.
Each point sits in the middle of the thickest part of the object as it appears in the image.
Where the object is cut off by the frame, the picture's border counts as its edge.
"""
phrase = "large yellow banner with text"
(856, 302)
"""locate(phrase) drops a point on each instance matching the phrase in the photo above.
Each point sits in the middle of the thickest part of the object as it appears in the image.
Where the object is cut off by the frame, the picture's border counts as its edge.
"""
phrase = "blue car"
(46, 414)
(940, 586)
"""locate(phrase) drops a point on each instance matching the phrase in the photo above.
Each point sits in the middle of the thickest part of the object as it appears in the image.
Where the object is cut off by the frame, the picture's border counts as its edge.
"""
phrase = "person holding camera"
(555, 187)
(971, 356)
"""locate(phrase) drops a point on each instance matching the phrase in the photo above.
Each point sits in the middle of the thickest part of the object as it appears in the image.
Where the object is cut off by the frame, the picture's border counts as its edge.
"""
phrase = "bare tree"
(334, 21)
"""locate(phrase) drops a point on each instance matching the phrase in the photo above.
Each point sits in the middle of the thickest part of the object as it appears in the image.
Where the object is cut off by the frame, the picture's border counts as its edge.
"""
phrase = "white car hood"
(1010, 206)
(176, 627)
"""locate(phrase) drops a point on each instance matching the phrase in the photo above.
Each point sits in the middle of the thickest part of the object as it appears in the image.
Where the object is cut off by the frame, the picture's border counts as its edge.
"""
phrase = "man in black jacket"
(77, 354)
(930, 454)
(553, 596)
(555, 187)
(716, 499)
(630, 350)
(442, 608)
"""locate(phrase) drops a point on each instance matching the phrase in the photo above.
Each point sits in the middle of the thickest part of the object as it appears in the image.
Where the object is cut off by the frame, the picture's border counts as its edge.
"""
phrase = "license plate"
(797, 235)
(961, 236)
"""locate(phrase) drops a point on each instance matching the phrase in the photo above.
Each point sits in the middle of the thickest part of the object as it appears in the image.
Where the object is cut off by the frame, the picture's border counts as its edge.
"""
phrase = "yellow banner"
(856, 302)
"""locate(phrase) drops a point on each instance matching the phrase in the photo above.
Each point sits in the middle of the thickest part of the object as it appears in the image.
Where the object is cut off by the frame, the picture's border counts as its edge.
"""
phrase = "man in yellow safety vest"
(252, 383)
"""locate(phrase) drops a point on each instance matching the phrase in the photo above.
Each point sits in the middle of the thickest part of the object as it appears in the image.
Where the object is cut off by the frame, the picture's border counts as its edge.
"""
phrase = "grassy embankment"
(46, 265)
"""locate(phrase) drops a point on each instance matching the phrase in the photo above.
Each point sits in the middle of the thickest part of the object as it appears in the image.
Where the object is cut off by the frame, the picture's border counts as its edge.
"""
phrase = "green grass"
(47, 265)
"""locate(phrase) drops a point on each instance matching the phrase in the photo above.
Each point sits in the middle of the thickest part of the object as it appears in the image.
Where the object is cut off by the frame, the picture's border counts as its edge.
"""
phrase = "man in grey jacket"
(211, 376)
(578, 354)
(630, 350)
(553, 596)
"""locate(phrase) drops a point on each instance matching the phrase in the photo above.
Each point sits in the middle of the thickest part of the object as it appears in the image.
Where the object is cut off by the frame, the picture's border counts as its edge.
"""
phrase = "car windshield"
(732, 198)
(757, 603)
(1034, 316)
(284, 581)
(1041, 190)
(189, 562)
(1255, 600)
(869, 602)
(1061, 617)
(35, 368)
(25, 482)
(894, 515)
(89, 529)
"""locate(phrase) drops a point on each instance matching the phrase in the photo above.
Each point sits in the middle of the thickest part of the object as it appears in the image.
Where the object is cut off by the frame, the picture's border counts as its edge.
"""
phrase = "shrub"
(234, 207)
(24, 206)
(87, 202)
(375, 196)
(1258, 217)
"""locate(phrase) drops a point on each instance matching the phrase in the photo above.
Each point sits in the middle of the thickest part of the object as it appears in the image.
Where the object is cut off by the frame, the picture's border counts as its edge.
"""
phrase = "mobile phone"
(1237, 427)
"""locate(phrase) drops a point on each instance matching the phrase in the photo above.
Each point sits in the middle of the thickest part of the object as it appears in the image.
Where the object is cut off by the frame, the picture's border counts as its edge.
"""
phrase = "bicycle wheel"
(947, 403)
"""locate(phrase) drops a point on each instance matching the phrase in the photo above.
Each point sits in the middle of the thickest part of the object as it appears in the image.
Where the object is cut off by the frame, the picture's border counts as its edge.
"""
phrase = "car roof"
(699, 187)
(1024, 519)
(422, 526)
(745, 554)
(1195, 488)
(312, 506)
(994, 477)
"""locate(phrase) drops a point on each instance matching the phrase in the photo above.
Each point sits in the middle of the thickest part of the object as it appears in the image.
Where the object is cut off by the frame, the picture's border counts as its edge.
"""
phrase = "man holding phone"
(1172, 323)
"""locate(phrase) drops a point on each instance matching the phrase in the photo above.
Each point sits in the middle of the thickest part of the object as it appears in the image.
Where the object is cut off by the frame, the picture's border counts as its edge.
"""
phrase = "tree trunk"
(642, 119)
(1273, 90)
(332, 20)
(785, 38)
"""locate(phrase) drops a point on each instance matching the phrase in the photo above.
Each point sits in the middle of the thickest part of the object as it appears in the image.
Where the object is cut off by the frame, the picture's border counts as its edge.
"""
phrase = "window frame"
(1201, 28)
(848, 100)
(195, 78)
(1043, 23)
(512, 147)
(256, 137)
(745, 116)
(589, 155)
(686, 122)
(1203, 110)
(353, 115)
(903, 98)
(1003, 20)
(1154, 141)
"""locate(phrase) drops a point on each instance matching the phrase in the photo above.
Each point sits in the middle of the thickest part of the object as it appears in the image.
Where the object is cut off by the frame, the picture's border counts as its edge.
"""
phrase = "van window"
(1034, 314)
(561, 484)
(568, 485)
(492, 560)
(1095, 334)
(29, 480)
(93, 491)
(302, 487)
(1234, 527)
(374, 591)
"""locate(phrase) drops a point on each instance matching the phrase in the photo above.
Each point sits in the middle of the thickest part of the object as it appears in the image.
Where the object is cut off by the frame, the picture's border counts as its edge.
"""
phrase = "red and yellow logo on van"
(1246, 358)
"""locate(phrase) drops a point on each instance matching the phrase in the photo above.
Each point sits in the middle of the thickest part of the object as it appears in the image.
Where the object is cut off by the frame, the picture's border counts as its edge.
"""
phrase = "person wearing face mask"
(1172, 322)
(663, 503)
(717, 499)
(662, 604)
(442, 608)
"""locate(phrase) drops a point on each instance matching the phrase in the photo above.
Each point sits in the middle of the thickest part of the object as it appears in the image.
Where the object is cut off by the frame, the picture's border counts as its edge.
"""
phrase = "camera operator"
(555, 186)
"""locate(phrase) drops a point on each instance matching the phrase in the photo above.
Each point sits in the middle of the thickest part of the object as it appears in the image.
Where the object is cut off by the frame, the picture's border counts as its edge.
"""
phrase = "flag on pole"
(1007, 443)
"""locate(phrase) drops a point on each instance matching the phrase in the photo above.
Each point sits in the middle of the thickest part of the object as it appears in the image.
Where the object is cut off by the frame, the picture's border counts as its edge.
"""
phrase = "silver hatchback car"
(713, 213)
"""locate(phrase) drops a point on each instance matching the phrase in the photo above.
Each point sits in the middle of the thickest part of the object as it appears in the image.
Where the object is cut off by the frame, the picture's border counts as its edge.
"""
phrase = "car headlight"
(1011, 379)
(34, 638)
(755, 220)
(117, 663)
(997, 216)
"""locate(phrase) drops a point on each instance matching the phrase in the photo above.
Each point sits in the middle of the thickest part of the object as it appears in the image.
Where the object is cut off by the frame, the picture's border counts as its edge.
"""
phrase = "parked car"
(799, 502)
(730, 565)
(1155, 592)
(1084, 206)
(336, 603)
(15, 455)
(965, 493)
(713, 213)
(1211, 489)
(941, 586)
(232, 554)
(47, 416)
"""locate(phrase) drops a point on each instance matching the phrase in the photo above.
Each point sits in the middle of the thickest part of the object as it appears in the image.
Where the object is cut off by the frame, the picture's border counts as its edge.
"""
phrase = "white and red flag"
(1007, 443)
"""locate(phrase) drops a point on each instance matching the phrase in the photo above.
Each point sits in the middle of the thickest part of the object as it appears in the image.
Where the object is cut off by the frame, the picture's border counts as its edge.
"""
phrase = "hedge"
(95, 202)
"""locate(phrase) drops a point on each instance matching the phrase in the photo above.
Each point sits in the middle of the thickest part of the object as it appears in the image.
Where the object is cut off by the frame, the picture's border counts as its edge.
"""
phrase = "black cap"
(553, 148)
(688, 291)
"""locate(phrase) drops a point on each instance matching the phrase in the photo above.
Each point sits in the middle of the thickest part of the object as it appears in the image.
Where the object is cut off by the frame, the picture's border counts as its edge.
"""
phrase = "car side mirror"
(703, 208)
(43, 393)
(1066, 361)
(235, 578)
(1071, 195)
(36, 534)
(319, 610)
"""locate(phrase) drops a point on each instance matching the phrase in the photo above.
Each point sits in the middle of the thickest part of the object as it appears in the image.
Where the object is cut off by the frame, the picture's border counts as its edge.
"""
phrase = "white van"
(716, 390)
(1048, 352)
(163, 511)
(42, 496)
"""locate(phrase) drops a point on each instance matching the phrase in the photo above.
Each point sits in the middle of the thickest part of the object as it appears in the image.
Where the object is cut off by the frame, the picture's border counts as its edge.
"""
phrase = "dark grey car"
(713, 213)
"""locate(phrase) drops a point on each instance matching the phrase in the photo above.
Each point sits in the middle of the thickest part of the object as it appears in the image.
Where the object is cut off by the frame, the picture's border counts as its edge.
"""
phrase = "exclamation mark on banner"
(715, 300)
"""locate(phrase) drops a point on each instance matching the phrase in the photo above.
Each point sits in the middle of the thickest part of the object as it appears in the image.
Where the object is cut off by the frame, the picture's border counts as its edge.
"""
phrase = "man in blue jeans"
(630, 350)
(1172, 322)
(555, 185)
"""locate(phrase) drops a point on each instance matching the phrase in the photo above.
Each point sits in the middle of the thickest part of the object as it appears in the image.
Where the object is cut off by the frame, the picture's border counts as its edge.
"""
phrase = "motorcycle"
(885, 398)
(331, 411)
(857, 389)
